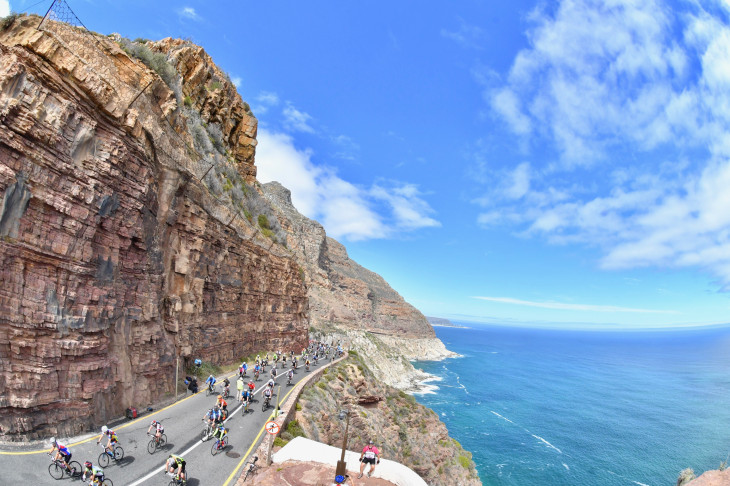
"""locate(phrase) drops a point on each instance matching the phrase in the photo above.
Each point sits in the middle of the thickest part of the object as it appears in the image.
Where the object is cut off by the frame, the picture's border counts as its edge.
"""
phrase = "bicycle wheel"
(107, 482)
(214, 448)
(152, 446)
(264, 406)
(163, 441)
(74, 469)
(118, 453)
(55, 470)
(104, 459)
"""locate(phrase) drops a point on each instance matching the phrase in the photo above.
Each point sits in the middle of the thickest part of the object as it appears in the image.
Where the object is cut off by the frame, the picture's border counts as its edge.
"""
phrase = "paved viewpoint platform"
(305, 450)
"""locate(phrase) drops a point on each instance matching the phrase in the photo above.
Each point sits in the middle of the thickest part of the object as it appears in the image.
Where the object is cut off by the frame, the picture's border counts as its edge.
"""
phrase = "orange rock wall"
(113, 259)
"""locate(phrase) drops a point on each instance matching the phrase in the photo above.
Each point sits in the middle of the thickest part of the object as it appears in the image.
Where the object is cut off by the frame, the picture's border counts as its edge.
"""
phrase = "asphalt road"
(183, 427)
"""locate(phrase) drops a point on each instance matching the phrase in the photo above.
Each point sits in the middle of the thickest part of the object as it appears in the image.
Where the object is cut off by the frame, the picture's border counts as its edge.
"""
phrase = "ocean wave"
(425, 389)
(502, 417)
(640, 484)
(566, 466)
(546, 443)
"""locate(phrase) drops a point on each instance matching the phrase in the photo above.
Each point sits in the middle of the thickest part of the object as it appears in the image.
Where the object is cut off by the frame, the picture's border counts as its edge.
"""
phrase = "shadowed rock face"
(114, 259)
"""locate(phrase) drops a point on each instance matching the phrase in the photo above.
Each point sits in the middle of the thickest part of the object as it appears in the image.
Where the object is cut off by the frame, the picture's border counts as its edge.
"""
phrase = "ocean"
(562, 408)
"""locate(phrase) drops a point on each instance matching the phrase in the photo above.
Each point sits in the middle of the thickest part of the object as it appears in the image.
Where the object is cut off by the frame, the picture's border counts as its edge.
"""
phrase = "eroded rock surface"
(114, 258)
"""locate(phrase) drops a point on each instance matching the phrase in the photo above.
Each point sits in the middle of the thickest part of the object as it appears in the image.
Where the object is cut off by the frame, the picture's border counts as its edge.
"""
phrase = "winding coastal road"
(183, 426)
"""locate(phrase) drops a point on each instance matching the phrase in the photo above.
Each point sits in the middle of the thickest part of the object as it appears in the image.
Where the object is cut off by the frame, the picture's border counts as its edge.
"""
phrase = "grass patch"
(279, 442)
(464, 462)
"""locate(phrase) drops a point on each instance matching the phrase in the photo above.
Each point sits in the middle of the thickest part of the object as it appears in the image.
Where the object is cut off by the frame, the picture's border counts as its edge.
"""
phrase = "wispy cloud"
(264, 101)
(630, 99)
(572, 307)
(467, 35)
(387, 209)
(189, 13)
(4, 8)
(296, 120)
(236, 80)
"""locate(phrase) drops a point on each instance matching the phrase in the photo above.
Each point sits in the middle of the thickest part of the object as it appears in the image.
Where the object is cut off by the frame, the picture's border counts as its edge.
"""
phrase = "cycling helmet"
(53, 440)
(104, 428)
(154, 422)
(339, 479)
(220, 397)
(88, 464)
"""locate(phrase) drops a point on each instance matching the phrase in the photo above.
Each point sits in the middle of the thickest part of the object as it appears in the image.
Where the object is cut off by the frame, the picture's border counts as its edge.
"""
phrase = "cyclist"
(246, 397)
(290, 375)
(226, 387)
(273, 372)
(213, 416)
(222, 404)
(175, 463)
(239, 387)
(271, 384)
(257, 369)
(307, 364)
(210, 381)
(159, 429)
(251, 386)
(219, 433)
(95, 473)
(294, 362)
(63, 452)
(112, 439)
(268, 393)
(244, 368)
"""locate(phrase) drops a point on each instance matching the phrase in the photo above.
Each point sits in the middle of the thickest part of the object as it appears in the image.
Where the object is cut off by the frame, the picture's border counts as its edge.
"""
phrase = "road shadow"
(193, 482)
(166, 447)
(233, 455)
(125, 461)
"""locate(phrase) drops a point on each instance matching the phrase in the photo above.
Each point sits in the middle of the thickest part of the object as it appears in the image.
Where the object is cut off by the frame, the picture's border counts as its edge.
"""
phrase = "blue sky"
(554, 163)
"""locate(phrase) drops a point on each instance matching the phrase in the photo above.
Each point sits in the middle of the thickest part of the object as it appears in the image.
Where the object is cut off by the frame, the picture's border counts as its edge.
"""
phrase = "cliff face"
(114, 258)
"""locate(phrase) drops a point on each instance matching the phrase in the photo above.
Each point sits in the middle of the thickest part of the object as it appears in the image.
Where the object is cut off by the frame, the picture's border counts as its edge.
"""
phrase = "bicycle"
(58, 468)
(244, 407)
(176, 481)
(256, 375)
(288, 380)
(156, 443)
(106, 456)
(106, 482)
(252, 467)
(265, 404)
(219, 445)
(208, 429)
(210, 391)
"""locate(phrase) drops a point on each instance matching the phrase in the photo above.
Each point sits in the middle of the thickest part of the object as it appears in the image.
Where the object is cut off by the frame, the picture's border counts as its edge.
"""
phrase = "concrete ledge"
(305, 450)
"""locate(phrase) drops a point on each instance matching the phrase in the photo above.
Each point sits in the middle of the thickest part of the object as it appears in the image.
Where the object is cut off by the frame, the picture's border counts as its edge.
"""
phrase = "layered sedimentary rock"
(114, 259)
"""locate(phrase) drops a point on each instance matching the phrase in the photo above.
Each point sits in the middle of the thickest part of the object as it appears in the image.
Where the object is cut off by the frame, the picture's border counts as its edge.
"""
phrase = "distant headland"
(441, 322)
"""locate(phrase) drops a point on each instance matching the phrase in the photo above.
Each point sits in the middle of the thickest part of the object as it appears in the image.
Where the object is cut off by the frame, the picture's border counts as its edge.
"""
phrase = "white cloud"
(470, 36)
(344, 209)
(264, 101)
(4, 8)
(571, 307)
(236, 81)
(625, 108)
(188, 13)
(296, 120)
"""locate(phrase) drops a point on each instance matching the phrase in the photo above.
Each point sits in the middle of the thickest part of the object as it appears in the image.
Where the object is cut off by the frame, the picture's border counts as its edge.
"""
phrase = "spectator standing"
(370, 455)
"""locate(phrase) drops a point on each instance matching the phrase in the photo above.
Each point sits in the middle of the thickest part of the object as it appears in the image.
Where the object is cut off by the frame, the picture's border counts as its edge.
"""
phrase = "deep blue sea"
(561, 408)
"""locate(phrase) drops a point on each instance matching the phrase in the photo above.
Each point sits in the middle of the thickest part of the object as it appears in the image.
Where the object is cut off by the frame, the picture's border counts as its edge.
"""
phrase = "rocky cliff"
(118, 252)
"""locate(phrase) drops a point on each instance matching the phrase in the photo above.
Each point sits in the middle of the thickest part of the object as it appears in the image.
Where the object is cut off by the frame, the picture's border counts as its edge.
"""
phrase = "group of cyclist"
(216, 416)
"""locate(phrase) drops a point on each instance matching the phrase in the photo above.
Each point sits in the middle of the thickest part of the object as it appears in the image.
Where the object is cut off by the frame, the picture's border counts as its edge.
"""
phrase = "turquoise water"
(551, 408)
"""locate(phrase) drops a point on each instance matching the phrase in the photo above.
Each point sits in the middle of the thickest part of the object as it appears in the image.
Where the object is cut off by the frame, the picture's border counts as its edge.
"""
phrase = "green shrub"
(298, 407)
(295, 429)
(685, 476)
(321, 385)
(464, 462)
(279, 442)
(264, 222)
(6, 22)
(188, 101)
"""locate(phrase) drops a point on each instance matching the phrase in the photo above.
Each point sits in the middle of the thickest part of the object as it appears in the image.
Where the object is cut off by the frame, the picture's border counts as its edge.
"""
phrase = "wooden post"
(177, 370)
(341, 464)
